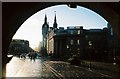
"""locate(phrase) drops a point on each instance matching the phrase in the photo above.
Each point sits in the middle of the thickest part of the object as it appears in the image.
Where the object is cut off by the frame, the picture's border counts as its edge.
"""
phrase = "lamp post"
(90, 44)
(114, 56)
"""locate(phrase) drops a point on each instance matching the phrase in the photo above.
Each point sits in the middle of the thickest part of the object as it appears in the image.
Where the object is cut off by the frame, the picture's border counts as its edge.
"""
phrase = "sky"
(31, 29)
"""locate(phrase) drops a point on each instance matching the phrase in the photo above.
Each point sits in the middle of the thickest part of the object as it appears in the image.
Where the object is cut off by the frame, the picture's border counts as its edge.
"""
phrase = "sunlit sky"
(31, 29)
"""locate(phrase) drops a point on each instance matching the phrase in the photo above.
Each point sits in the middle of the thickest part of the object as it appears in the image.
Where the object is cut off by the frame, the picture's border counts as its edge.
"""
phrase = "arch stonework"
(14, 14)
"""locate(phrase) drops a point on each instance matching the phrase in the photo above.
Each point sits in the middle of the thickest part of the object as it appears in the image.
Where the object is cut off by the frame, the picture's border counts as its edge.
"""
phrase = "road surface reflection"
(24, 68)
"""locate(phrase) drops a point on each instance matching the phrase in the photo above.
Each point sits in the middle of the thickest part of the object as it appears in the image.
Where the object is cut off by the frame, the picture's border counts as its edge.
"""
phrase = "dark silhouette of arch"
(14, 14)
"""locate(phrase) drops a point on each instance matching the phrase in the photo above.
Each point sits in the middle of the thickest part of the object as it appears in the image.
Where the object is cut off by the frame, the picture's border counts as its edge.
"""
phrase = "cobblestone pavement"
(45, 69)
(66, 71)
(110, 69)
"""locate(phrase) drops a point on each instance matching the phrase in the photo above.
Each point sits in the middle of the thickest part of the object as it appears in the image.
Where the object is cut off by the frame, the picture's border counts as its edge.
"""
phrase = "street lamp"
(114, 56)
(90, 44)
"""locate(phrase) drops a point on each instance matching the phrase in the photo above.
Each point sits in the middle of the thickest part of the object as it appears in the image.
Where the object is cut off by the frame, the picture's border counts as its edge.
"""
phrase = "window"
(78, 32)
(22, 42)
(67, 46)
(111, 31)
(90, 43)
(71, 42)
(71, 31)
(78, 42)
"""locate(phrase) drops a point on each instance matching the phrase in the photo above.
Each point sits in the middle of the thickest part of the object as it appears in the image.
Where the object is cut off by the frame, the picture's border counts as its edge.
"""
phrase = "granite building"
(91, 44)
(19, 46)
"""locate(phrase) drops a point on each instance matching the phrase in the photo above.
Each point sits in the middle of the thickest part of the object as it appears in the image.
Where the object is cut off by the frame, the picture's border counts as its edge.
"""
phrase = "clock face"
(45, 25)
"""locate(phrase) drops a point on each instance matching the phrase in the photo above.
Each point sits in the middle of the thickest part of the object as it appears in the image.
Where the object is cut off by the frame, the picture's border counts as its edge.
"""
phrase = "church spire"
(45, 28)
(55, 21)
(55, 18)
(45, 18)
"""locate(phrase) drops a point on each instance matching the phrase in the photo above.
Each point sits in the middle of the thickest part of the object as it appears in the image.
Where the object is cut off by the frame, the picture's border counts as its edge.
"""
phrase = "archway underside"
(14, 14)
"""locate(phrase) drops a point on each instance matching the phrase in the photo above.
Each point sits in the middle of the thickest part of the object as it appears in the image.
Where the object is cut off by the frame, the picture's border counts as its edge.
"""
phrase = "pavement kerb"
(100, 73)
(95, 72)
(57, 74)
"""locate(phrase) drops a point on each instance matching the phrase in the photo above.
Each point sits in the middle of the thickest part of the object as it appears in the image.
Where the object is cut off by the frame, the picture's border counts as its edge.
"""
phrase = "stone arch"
(14, 14)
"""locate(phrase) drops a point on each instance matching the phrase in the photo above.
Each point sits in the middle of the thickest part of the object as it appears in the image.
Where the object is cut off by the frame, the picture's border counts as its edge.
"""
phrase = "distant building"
(40, 46)
(18, 46)
(91, 44)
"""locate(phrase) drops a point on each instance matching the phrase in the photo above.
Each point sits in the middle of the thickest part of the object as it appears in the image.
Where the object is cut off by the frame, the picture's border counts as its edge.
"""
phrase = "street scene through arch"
(74, 44)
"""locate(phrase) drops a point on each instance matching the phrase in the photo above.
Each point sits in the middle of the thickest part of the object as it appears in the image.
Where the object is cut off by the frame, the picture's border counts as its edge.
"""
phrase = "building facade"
(65, 43)
(89, 44)
(18, 46)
